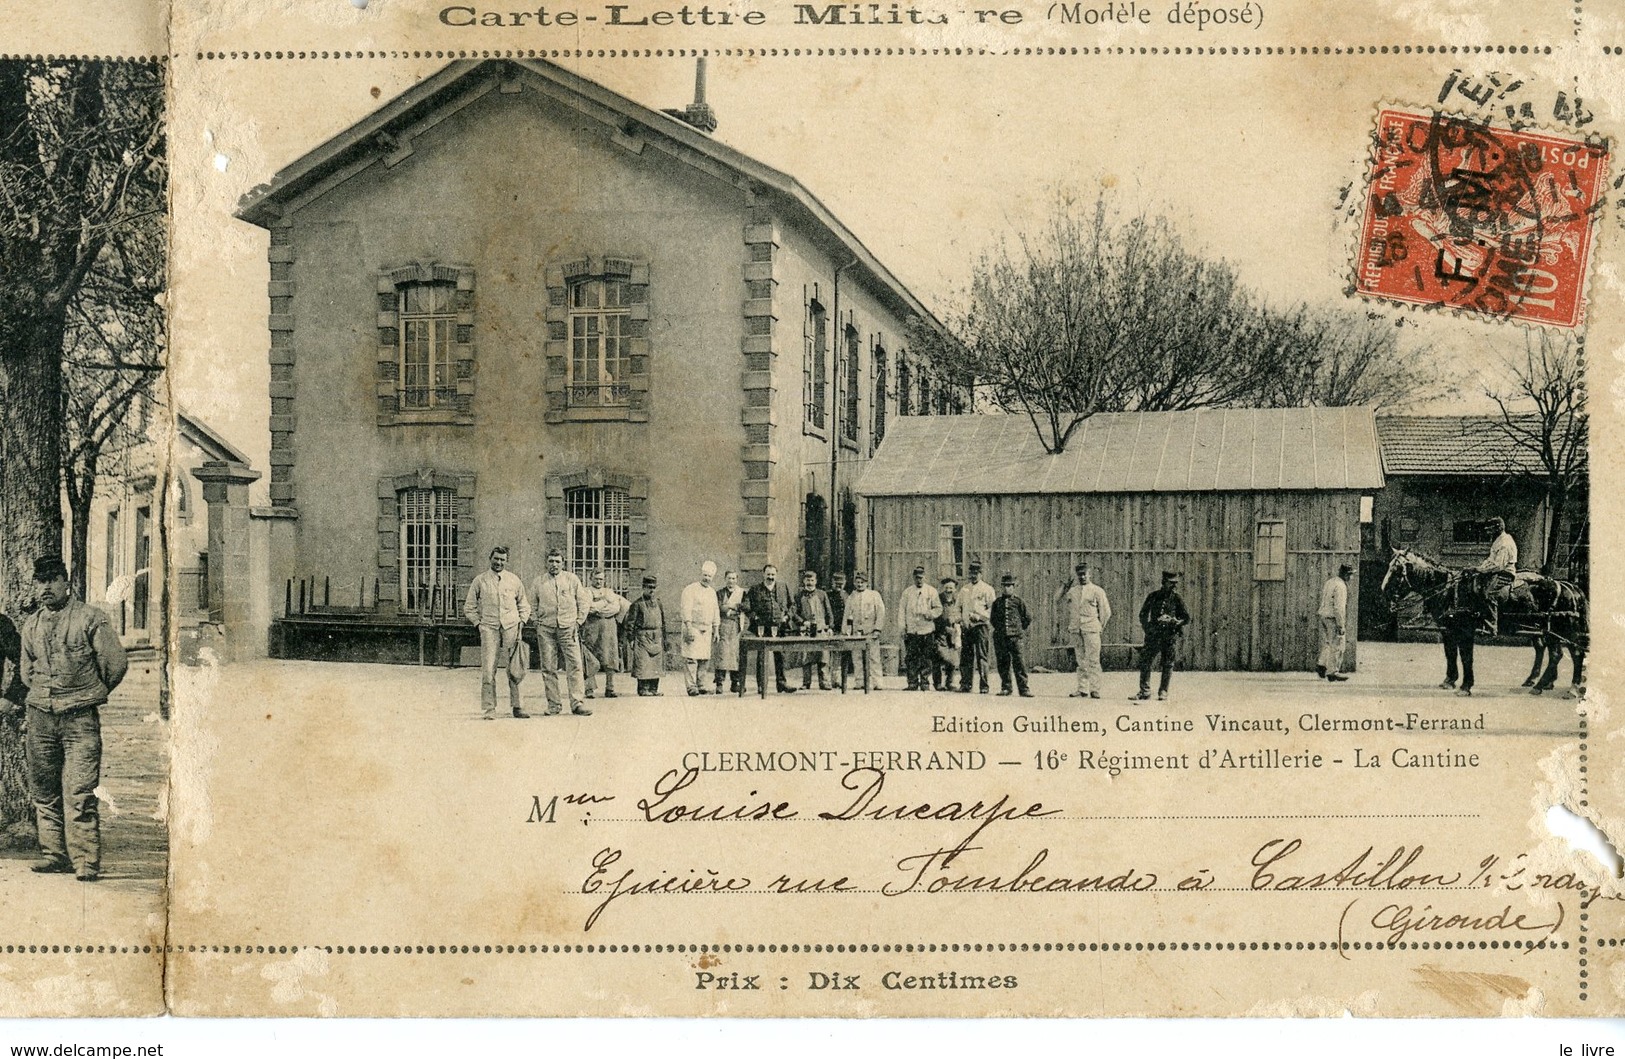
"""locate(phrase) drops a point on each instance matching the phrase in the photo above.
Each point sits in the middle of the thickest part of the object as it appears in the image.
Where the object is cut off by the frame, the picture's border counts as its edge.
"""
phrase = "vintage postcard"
(891, 509)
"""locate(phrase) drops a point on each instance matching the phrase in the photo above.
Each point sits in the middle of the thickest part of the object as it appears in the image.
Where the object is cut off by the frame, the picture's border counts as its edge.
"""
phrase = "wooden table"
(765, 646)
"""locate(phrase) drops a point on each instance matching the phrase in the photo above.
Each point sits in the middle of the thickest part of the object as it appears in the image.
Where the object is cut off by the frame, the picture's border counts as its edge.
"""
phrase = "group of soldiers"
(950, 632)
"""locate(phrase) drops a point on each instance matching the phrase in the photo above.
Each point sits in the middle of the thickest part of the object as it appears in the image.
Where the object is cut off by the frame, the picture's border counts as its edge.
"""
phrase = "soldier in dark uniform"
(837, 615)
(1163, 617)
(645, 627)
(1010, 621)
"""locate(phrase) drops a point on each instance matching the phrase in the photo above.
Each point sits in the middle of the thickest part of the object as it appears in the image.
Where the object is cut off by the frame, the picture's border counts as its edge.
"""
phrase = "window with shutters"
(881, 383)
(951, 550)
(1269, 551)
(815, 366)
(850, 400)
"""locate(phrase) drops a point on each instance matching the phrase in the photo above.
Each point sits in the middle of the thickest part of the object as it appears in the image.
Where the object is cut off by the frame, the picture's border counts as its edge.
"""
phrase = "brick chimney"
(698, 113)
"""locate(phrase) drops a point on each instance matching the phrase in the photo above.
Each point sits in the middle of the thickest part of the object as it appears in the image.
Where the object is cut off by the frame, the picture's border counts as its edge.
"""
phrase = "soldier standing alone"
(71, 662)
(1163, 617)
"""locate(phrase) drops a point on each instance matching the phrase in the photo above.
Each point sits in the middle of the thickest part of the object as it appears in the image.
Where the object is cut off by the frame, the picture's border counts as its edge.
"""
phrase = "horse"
(1449, 597)
(1559, 609)
(1439, 588)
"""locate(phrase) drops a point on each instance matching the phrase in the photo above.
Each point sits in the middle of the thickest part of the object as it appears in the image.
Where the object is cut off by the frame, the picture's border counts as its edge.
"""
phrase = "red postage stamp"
(1483, 219)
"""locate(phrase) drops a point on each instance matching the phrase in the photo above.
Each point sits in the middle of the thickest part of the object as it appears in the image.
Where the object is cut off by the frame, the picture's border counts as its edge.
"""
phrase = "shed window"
(1269, 551)
(951, 550)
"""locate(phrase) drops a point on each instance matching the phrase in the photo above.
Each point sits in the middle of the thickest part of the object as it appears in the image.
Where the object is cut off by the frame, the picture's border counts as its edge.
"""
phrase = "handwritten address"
(963, 862)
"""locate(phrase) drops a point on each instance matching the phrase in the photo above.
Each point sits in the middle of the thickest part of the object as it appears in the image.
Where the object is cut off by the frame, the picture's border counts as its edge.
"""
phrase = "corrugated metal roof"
(1472, 445)
(1209, 450)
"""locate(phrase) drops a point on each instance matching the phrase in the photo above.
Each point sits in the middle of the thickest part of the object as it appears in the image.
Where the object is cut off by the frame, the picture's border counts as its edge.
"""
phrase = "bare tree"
(113, 365)
(81, 169)
(1542, 414)
(1093, 313)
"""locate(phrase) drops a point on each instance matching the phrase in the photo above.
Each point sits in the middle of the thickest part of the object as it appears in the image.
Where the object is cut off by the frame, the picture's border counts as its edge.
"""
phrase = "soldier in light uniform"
(71, 662)
(496, 605)
(866, 617)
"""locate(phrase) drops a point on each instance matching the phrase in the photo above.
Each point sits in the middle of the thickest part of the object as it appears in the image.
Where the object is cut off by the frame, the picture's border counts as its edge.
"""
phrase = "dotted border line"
(1086, 819)
(765, 53)
(157, 60)
(922, 947)
(1585, 801)
(82, 950)
(793, 948)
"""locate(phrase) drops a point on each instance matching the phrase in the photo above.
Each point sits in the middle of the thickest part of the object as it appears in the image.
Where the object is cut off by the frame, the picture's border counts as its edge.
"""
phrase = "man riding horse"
(1498, 571)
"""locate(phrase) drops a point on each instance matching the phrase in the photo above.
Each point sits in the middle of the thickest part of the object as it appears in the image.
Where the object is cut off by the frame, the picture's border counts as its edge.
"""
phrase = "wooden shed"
(1255, 507)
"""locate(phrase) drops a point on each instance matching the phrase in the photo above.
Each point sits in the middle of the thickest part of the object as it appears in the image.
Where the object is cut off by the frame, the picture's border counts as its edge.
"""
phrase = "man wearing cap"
(920, 607)
(976, 641)
(837, 617)
(866, 617)
(496, 604)
(559, 603)
(1087, 611)
(813, 617)
(1010, 621)
(700, 617)
(1334, 607)
(768, 605)
(1163, 617)
(1498, 571)
(71, 662)
(645, 628)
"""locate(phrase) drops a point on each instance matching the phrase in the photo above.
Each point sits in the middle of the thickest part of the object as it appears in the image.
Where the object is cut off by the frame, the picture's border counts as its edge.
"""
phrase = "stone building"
(514, 307)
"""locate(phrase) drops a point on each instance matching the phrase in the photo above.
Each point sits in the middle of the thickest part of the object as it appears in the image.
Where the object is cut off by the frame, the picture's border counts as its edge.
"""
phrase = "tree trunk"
(30, 508)
(81, 489)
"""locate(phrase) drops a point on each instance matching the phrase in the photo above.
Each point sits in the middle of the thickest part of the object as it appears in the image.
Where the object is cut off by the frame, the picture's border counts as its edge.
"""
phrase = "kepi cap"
(49, 568)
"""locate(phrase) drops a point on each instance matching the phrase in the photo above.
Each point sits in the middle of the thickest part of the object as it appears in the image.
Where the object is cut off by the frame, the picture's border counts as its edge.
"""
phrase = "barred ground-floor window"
(428, 558)
(599, 531)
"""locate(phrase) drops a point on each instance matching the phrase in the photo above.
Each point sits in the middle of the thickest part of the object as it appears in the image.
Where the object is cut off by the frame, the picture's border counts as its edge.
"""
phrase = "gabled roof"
(1209, 450)
(206, 438)
(1464, 445)
(388, 131)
